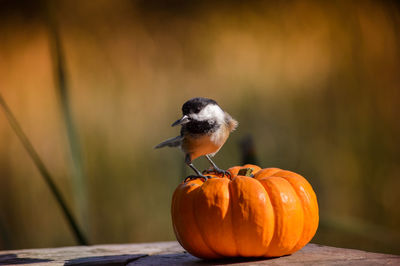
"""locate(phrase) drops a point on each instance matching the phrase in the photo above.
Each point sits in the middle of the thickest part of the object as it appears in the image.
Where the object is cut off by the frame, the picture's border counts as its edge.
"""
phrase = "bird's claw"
(218, 171)
(193, 177)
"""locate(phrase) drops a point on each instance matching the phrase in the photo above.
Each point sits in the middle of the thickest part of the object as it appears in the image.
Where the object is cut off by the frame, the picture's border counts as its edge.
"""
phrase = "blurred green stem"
(81, 239)
(61, 82)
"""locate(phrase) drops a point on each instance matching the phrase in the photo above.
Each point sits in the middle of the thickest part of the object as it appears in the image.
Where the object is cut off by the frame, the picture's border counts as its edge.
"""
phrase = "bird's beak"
(181, 121)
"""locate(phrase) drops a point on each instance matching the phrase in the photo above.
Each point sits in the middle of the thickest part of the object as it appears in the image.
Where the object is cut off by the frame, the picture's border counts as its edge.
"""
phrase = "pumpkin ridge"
(273, 212)
(302, 210)
(207, 252)
(305, 233)
(231, 217)
(252, 216)
(302, 207)
(275, 218)
(276, 184)
(199, 228)
(175, 201)
(202, 233)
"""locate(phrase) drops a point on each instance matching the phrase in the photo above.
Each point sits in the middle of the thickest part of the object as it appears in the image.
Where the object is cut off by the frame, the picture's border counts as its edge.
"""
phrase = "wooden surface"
(171, 253)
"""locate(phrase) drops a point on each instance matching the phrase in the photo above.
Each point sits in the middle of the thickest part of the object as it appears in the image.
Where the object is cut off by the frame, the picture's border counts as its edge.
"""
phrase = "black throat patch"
(200, 127)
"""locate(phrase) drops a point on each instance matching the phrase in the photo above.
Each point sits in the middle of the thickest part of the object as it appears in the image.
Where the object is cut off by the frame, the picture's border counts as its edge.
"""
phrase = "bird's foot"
(217, 171)
(193, 177)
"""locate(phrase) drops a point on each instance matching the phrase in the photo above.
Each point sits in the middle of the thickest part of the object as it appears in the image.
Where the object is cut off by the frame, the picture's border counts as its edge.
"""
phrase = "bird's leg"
(216, 168)
(195, 169)
(188, 161)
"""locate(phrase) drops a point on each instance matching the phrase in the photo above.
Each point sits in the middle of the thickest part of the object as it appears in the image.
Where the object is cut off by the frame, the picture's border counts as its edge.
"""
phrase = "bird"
(205, 127)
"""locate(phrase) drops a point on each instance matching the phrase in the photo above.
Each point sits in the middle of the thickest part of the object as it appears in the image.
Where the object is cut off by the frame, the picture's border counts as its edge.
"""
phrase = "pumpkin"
(273, 213)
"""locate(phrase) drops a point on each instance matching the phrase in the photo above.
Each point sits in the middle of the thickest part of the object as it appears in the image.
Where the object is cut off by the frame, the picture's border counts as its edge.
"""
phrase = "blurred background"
(95, 86)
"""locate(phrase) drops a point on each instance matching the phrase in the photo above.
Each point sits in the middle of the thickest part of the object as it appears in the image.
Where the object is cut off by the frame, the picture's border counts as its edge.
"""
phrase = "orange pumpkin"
(272, 214)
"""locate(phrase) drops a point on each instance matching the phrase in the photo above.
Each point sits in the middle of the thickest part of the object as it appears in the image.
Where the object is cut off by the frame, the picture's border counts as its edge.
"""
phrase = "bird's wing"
(172, 142)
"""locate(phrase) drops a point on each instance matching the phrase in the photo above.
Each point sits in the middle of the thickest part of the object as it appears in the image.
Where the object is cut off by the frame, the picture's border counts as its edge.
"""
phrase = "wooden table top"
(171, 253)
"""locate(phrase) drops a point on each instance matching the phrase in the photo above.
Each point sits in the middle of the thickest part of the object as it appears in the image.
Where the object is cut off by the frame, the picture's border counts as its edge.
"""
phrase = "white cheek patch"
(210, 112)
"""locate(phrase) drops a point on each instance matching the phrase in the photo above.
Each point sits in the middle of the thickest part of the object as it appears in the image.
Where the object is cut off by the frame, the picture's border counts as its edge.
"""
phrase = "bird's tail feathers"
(172, 142)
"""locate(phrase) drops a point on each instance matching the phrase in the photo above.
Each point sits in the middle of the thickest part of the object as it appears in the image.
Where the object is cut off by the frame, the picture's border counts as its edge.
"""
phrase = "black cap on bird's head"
(195, 105)
(192, 107)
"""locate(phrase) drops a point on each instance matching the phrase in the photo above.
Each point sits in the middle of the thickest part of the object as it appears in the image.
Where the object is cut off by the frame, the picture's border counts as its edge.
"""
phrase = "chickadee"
(205, 128)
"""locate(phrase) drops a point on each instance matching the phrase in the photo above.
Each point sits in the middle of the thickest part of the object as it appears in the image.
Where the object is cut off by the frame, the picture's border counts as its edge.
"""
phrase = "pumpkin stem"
(246, 172)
